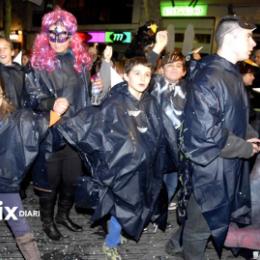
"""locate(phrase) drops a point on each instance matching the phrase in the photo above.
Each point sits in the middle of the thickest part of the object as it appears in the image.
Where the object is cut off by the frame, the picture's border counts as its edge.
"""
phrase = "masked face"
(59, 38)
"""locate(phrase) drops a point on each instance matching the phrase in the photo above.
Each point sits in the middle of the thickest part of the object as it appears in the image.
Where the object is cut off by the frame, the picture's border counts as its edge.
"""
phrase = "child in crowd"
(122, 140)
(170, 92)
(21, 131)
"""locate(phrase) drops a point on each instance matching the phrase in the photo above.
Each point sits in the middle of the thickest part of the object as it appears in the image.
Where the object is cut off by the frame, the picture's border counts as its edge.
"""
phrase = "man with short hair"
(217, 139)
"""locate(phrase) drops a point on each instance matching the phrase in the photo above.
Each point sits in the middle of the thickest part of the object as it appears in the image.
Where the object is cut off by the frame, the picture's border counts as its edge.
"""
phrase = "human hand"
(161, 40)
(255, 143)
(60, 105)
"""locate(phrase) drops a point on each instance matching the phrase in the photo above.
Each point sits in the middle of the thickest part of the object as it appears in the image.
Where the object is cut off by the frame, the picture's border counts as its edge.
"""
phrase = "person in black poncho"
(60, 66)
(124, 143)
(25, 129)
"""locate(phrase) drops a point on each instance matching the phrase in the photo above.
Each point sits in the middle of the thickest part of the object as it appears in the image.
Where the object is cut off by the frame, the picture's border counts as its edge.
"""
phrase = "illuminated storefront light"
(181, 9)
(110, 37)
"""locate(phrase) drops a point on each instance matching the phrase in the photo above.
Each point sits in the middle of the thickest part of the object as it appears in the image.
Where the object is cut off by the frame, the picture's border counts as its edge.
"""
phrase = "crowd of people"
(165, 125)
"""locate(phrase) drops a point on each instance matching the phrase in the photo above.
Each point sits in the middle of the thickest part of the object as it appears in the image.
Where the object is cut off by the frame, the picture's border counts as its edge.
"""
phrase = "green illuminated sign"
(123, 37)
(167, 10)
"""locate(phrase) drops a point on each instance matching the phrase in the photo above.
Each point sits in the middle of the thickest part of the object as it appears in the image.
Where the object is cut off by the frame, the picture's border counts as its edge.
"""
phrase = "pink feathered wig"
(44, 57)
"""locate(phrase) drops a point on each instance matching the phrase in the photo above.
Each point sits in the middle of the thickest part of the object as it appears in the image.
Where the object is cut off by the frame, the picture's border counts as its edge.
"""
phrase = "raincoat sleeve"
(37, 95)
(236, 147)
(21, 134)
(204, 134)
(84, 128)
(32, 128)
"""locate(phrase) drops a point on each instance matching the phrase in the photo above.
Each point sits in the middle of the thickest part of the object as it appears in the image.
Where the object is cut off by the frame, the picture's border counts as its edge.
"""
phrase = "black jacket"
(42, 89)
(123, 141)
(20, 134)
(215, 126)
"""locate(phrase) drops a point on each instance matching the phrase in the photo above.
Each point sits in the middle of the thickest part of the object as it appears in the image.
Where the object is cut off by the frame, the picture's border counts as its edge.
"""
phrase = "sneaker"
(111, 253)
(123, 240)
(172, 206)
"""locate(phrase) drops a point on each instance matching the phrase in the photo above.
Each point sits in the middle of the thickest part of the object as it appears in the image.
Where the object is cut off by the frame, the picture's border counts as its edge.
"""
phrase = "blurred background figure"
(249, 70)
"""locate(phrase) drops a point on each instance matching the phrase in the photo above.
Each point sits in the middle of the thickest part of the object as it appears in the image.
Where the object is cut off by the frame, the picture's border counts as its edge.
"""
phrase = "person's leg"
(171, 181)
(71, 170)
(24, 184)
(173, 246)
(47, 199)
(19, 226)
(113, 236)
(195, 233)
(112, 240)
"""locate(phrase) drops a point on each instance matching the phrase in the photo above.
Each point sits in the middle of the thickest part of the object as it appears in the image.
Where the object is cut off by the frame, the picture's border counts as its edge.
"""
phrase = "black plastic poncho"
(123, 142)
(20, 136)
(217, 106)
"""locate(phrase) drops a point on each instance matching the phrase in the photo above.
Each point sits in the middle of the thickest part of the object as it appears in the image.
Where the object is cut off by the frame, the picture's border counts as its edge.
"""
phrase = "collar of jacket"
(122, 88)
(210, 60)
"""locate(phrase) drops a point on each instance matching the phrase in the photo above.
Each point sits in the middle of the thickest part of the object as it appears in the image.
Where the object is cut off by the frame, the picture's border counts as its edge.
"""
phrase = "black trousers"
(64, 167)
(196, 233)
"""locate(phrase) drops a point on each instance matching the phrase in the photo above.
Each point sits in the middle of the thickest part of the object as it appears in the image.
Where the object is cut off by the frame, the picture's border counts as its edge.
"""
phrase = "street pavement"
(87, 245)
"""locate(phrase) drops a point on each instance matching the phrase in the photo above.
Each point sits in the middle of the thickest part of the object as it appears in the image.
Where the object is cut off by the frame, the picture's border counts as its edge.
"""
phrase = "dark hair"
(245, 68)
(144, 37)
(6, 107)
(173, 57)
(7, 40)
(229, 23)
(130, 63)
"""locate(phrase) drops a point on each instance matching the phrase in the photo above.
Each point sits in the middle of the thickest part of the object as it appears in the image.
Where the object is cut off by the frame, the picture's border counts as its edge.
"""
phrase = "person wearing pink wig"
(59, 68)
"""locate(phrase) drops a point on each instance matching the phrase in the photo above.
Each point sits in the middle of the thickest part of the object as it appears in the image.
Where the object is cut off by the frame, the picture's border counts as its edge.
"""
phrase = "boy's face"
(6, 52)
(174, 71)
(138, 79)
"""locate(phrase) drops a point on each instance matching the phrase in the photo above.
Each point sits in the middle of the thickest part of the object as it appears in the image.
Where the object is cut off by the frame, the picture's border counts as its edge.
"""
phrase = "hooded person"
(25, 129)
(217, 138)
(123, 141)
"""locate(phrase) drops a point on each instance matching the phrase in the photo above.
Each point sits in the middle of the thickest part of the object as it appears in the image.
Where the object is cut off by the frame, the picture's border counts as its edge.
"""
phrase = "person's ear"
(125, 77)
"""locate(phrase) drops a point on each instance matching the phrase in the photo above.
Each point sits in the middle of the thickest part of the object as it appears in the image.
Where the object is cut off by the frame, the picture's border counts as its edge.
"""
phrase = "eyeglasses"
(59, 37)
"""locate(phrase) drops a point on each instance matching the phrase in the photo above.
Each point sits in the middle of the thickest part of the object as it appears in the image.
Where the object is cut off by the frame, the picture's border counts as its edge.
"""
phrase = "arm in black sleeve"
(236, 147)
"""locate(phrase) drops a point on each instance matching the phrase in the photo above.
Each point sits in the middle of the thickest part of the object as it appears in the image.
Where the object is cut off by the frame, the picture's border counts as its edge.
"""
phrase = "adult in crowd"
(59, 68)
(217, 138)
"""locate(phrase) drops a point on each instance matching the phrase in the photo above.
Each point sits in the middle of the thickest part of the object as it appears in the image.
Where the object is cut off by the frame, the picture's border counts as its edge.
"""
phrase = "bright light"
(167, 10)
(14, 36)
(110, 37)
